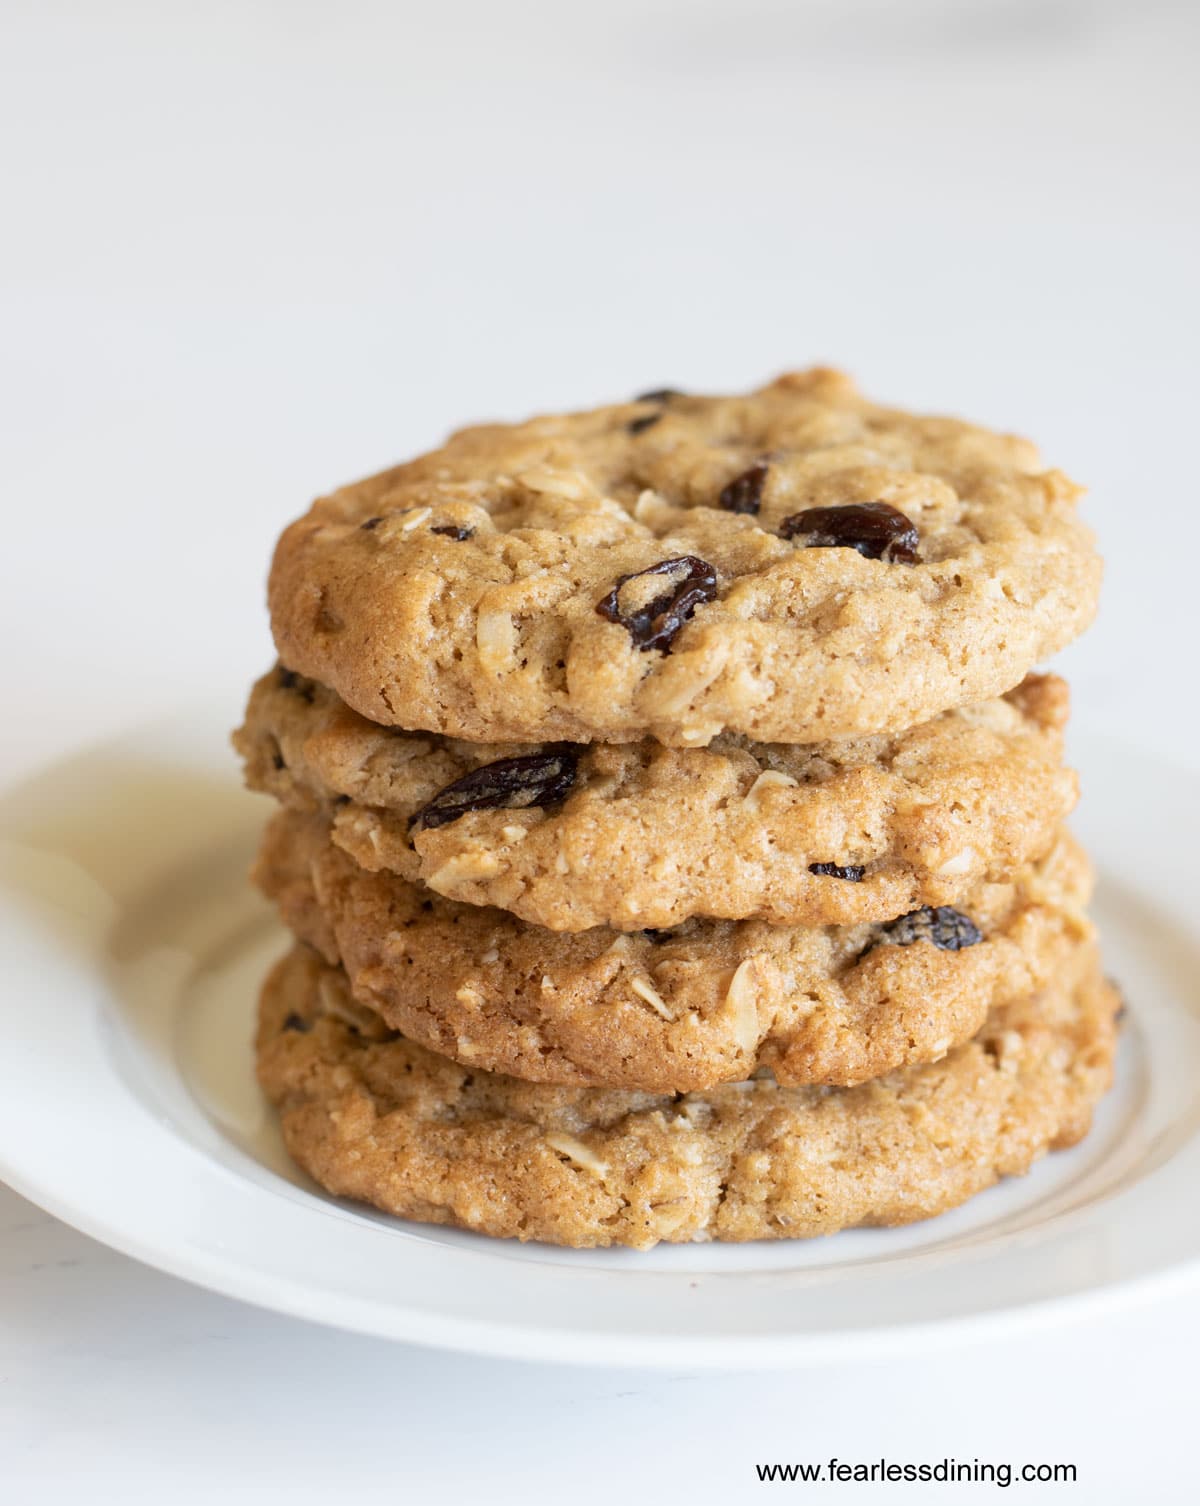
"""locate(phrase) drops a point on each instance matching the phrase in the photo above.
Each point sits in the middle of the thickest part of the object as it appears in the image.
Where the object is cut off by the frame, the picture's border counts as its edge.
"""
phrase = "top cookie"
(794, 565)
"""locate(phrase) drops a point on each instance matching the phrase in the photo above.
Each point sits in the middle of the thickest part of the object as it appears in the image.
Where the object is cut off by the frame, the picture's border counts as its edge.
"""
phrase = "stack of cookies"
(672, 825)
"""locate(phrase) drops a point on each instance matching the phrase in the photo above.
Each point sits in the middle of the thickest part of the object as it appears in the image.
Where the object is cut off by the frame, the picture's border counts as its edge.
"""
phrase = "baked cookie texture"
(672, 823)
(657, 568)
(375, 1117)
(647, 836)
(709, 1002)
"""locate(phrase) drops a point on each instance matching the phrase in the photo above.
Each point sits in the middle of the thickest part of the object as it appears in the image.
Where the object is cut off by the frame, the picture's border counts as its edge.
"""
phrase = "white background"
(250, 251)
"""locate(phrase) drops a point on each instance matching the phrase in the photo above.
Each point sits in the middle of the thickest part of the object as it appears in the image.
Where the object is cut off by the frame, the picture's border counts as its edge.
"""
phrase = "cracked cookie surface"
(374, 1117)
(708, 1002)
(647, 837)
(669, 567)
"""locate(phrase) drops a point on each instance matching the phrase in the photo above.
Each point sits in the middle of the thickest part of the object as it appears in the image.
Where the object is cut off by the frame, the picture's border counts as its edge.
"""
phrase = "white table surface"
(253, 250)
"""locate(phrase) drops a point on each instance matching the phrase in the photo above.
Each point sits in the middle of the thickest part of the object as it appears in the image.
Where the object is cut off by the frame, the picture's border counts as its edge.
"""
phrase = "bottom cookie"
(372, 1116)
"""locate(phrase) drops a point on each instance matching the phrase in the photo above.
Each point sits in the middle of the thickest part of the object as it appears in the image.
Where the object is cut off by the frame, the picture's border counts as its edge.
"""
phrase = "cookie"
(793, 565)
(708, 1002)
(647, 836)
(375, 1117)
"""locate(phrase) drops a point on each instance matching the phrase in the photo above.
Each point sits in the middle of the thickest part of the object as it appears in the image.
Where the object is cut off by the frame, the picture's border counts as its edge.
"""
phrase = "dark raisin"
(290, 680)
(640, 425)
(653, 621)
(295, 1022)
(744, 492)
(341, 800)
(370, 524)
(507, 784)
(852, 872)
(658, 395)
(452, 531)
(1123, 1006)
(657, 937)
(278, 760)
(948, 929)
(877, 530)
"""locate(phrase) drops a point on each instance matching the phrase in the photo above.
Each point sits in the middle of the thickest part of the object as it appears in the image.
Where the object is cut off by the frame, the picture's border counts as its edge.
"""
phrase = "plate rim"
(582, 1348)
(407, 1322)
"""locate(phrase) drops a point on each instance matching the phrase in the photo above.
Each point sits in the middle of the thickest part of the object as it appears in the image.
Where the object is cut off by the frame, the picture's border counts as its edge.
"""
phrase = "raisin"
(877, 530)
(296, 1022)
(290, 680)
(654, 623)
(640, 425)
(1123, 1005)
(744, 492)
(507, 784)
(657, 937)
(370, 524)
(278, 760)
(948, 929)
(852, 872)
(658, 395)
(452, 531)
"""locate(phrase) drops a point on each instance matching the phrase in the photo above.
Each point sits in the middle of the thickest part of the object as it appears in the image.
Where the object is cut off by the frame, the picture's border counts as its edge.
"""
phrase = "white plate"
(132, 950)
